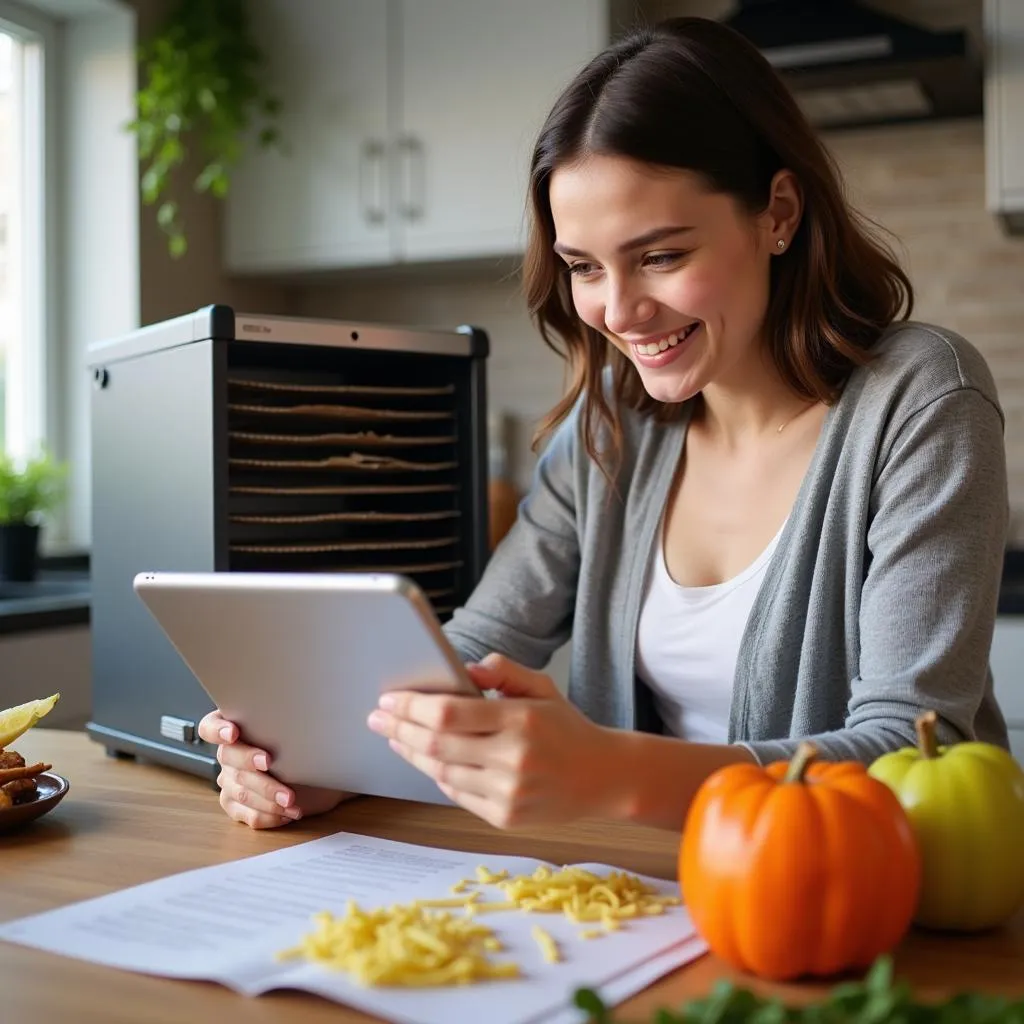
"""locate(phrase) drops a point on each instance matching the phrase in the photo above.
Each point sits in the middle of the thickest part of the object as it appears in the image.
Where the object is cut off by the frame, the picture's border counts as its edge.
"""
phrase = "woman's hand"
(248, 793)
(534, 759)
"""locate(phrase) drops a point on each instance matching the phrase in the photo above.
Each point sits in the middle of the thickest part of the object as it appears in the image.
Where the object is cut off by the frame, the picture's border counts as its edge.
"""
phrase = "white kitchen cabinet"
(410, 125)
(321, 199)
(478, 78)
(1004, 108)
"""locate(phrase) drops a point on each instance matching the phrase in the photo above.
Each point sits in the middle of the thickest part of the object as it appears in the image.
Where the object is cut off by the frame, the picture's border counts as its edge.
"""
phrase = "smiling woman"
(771, 509)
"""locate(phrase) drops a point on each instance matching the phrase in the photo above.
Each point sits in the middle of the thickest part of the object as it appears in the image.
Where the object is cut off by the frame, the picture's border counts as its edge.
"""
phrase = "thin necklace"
(799, 412)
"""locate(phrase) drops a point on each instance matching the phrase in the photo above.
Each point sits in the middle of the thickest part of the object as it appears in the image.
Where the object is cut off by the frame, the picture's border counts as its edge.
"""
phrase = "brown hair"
(691, 93)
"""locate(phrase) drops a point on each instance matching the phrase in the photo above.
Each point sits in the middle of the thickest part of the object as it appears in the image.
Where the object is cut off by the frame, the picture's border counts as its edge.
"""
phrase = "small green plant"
(203, 87)
(32, 491)
(878, 999)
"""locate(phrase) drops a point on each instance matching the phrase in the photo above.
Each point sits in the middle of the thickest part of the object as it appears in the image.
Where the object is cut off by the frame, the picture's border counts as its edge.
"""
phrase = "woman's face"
(674, 276)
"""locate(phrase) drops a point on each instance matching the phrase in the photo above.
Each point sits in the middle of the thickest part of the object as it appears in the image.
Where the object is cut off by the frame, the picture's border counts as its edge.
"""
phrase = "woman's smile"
(660, 352)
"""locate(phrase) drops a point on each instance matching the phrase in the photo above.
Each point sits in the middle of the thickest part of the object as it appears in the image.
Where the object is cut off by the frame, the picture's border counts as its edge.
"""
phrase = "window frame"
(39, 376)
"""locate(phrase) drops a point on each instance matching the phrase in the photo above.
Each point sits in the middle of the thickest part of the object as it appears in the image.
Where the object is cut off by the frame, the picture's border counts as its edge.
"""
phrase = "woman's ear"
(781, 217)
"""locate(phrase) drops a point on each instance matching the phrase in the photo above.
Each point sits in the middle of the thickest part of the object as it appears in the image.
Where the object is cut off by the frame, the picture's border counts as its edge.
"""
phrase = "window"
(22, 328)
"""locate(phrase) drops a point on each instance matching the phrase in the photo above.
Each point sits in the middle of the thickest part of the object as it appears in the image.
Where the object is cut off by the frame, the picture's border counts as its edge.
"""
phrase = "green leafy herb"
(29, 492)
(204, 85)
(878, 999)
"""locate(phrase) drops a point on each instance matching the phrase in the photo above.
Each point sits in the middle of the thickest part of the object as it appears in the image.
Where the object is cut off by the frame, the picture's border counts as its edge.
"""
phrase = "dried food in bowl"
(51, 788)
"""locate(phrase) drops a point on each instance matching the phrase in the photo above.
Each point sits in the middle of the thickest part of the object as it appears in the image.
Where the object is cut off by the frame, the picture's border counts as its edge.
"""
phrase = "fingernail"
(292, 812)
(262, 762)
(387, 702)
(282, 797)
(226, 734)
(377, 722)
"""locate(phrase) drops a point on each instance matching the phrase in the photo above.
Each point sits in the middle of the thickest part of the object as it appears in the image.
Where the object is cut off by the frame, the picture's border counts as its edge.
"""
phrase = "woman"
(773, 508)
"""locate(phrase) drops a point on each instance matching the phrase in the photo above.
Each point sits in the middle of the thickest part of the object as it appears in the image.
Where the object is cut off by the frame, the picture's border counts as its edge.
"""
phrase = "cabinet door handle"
(412, 169)
(371, 181)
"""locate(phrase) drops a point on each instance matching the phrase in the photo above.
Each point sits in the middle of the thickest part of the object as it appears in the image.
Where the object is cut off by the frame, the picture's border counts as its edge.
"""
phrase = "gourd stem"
(805, 754)
(926, 742)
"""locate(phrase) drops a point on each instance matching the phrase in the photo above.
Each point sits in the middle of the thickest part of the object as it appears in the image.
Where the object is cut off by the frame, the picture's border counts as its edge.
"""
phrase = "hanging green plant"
(203, 87)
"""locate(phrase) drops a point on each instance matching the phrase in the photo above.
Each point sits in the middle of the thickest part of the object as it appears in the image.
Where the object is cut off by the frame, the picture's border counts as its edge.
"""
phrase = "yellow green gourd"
(965, 803)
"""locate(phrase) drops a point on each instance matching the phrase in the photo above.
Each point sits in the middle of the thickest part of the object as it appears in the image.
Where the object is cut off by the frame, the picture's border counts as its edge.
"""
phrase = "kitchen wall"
(168, 286)
(38, 663)
(94, 189)
(924, 183)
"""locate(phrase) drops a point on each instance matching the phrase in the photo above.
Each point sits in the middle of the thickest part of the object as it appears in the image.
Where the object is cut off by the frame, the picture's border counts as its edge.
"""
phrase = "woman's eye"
(581, 269)
(663, 259)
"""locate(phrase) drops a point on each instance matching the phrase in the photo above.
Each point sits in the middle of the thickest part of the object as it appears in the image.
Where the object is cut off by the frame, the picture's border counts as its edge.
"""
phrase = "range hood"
(849, 65)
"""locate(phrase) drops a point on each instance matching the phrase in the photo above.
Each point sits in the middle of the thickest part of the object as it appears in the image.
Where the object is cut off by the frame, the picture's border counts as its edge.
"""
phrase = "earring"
(781, 243)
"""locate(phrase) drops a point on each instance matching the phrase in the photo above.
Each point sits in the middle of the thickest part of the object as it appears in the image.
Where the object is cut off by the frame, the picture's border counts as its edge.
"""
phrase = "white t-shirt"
(688, 639)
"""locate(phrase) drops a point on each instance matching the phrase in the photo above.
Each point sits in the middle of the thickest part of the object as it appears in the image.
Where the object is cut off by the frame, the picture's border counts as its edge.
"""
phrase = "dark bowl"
(51, 789)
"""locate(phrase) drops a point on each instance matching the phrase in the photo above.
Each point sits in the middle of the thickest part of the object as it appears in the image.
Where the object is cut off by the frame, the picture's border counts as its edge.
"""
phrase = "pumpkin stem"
(805, 754)
(926, 741)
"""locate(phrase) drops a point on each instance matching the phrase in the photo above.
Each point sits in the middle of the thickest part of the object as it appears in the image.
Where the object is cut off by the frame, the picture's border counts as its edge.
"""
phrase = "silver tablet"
(299, 660)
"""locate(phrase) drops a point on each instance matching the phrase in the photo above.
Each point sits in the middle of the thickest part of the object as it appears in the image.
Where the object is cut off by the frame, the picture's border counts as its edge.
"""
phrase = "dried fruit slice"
(18, 720)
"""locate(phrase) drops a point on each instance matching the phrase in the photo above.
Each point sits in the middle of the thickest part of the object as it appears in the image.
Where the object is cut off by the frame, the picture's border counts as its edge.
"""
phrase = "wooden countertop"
(125, 823)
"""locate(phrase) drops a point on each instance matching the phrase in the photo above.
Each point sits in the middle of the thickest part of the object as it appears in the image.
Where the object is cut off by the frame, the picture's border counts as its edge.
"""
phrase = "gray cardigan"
(878, 603)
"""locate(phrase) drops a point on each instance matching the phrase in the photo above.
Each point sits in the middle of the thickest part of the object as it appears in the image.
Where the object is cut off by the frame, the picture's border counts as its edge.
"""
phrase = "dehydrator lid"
(224, 324)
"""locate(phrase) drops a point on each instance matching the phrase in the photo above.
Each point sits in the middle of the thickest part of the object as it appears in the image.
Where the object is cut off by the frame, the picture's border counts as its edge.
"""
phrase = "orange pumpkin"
(798, 869)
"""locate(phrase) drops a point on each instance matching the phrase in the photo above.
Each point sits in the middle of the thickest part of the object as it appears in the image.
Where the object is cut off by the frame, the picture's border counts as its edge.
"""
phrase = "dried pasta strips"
(462, 901)
(487, 877)
(487, 908)
(548, 947)
(408, 946)
(580, 895)
(428, 943)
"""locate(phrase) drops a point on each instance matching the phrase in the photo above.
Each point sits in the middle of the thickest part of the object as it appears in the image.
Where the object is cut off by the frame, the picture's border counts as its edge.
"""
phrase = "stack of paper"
(228, 923)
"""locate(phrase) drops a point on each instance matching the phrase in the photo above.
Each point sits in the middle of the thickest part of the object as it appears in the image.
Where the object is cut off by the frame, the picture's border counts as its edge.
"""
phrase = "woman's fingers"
(450, 747)
(503, 816)
(243, 757)
(248, 793)
(496, 672)
(468, 778)
(258, 791)
(214, 728)
(441, 712)
(250, 816)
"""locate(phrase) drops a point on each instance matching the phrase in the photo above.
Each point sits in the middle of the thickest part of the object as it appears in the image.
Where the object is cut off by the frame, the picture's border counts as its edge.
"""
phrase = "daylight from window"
(8, 159)
(22, 356)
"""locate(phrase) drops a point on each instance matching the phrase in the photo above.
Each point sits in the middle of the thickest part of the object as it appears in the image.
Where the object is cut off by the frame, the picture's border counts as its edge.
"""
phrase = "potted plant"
(202, 88)
(29, 492)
